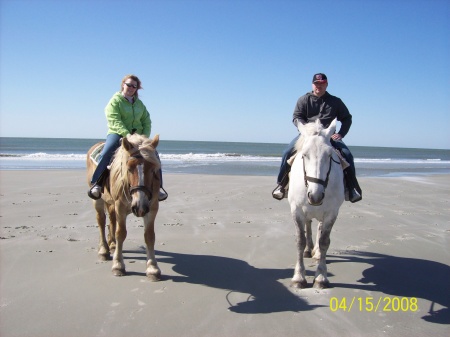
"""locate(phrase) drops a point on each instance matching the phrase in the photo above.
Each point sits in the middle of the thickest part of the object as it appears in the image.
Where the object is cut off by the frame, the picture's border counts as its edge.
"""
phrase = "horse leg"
(299, 279)
(118, 267)
(316, 250)
(112, 228)
(153, 272)
(309, 241)
(321, 280)
(103, 249)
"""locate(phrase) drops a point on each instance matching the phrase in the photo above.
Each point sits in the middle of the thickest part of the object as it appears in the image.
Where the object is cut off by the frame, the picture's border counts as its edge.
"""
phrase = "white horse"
(316, 191)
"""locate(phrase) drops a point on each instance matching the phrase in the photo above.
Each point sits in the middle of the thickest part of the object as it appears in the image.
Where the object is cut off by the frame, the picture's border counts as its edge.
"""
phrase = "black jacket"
(326, 108)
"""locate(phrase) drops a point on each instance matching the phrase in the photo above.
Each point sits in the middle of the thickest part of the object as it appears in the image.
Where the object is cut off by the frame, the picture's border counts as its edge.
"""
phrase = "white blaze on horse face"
(140, 203)
(137, 195)
(140, 170)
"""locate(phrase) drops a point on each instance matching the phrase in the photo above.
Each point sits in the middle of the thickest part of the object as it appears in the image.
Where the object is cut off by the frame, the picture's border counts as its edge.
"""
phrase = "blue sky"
(227, 70)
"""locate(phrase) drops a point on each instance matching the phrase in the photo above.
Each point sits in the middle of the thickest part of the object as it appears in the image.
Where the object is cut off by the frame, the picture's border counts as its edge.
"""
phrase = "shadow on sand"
(403, 277)
(390, 275)
(256, 291)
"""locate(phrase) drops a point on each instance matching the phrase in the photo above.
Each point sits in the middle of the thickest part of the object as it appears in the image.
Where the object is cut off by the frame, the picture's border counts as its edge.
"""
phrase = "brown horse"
(132, 186)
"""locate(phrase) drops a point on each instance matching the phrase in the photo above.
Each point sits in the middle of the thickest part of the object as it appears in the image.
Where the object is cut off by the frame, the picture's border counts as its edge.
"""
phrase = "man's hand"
(336, 136)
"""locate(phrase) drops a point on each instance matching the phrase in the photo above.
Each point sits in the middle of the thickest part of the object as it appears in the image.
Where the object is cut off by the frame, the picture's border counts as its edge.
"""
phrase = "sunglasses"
(131, 85)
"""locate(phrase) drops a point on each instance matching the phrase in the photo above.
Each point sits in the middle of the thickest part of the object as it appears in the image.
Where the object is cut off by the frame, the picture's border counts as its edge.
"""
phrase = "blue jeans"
(285, 168)
(112, 143)
(290, 151)
(340, 145)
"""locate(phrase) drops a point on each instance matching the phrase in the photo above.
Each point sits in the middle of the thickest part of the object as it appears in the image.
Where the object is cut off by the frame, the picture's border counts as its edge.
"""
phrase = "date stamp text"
(372, 304)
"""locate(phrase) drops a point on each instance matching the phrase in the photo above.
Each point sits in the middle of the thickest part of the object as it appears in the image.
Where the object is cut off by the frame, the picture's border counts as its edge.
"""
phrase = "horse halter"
(324, 183)
(142, 188)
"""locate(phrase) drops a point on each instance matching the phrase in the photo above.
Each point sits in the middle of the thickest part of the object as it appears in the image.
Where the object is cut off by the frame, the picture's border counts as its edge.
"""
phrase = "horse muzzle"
(315, 200)
(140, 209)
(140, 205)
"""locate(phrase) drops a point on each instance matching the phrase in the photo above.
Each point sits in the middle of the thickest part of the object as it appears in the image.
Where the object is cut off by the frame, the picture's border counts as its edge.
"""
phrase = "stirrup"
(93, 196)
(354, 196)
(162, 197)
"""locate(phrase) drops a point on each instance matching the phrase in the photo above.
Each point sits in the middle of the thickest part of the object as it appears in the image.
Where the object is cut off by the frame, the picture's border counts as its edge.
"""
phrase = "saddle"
(95, 155)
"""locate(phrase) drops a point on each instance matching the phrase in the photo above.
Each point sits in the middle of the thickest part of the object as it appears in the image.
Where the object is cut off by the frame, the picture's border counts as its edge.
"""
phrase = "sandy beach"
(226, 249)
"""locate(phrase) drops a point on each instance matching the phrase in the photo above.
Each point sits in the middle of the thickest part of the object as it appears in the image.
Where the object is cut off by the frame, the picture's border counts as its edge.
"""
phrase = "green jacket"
(123, 117)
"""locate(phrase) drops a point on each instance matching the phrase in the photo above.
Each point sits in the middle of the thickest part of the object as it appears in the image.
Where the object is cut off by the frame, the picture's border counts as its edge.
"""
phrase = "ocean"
(196, 157)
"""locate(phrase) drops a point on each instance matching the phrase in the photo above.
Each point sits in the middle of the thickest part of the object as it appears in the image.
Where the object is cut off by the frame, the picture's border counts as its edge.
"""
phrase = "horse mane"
(118, 173)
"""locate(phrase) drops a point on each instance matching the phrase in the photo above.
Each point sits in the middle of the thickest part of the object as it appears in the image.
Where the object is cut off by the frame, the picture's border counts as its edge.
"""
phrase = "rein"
(324, 183)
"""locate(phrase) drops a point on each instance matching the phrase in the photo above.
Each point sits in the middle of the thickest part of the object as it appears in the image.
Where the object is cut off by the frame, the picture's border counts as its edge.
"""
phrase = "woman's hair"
(134, 78)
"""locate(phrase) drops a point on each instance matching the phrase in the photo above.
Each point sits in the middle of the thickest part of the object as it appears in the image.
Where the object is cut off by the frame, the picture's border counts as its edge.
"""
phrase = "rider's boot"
(163, 195)
(279, 192)
(353, 189)
(95, 192)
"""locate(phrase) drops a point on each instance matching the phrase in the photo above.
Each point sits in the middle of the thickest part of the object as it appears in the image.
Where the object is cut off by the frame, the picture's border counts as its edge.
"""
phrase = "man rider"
(320, 104)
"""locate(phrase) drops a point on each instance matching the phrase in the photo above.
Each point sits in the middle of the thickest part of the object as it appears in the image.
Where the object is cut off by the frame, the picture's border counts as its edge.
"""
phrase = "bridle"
(324, 183)
(142, 188)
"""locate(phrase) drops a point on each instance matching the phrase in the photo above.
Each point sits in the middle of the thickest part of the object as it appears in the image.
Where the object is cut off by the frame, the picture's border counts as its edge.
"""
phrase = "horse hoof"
(307, 254)
(104, 257)
(321, 285)
(118, 272)
(154, 278)
(299, 285)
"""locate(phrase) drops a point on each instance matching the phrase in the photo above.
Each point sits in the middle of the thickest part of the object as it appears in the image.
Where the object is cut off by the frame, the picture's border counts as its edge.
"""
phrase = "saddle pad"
(344, 163)
(290, 161)
(96, 153)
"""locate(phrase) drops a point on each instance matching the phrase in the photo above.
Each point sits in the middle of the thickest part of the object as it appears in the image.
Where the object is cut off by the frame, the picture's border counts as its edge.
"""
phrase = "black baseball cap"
(321, 78)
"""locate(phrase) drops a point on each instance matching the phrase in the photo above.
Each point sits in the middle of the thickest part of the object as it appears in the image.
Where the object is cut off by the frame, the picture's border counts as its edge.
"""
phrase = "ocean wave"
(400, 161)
(216, 157)
(210, 157)
(43, 156)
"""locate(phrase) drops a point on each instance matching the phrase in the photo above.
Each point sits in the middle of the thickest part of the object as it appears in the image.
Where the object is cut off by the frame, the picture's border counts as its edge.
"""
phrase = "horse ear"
(126, 144)
(155, 141)
(331, 129)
